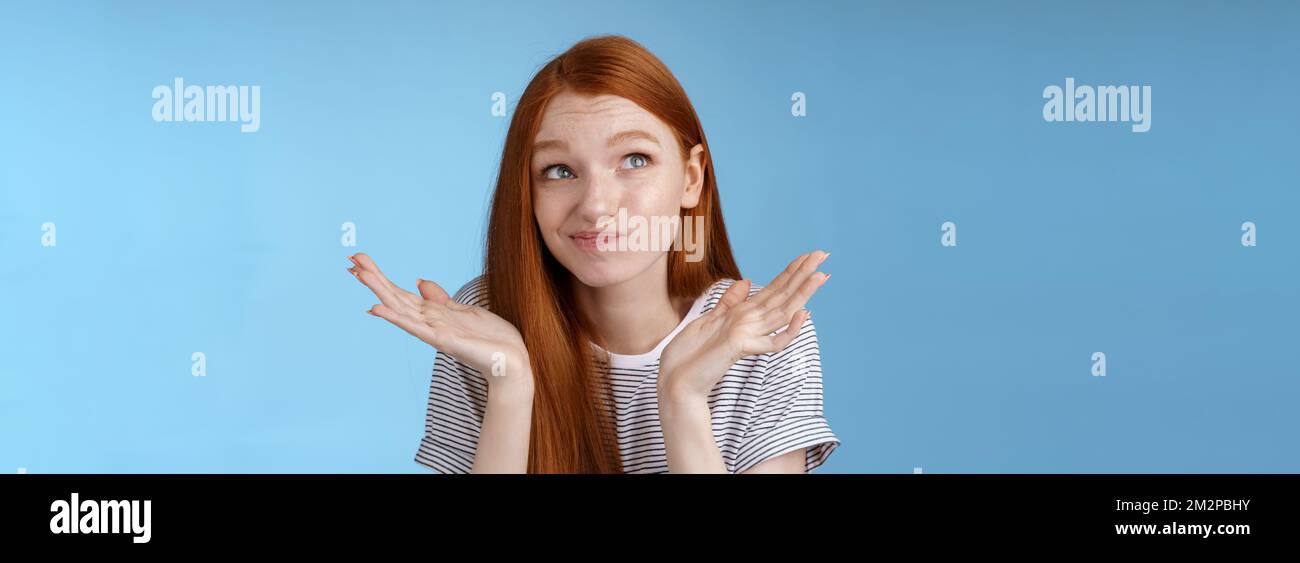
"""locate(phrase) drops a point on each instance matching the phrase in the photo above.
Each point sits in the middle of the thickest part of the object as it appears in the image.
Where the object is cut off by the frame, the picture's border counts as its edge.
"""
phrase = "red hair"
(572, 424)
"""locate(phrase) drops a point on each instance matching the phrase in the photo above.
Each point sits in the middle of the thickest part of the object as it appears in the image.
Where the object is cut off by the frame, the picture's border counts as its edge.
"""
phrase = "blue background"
(1073, 238)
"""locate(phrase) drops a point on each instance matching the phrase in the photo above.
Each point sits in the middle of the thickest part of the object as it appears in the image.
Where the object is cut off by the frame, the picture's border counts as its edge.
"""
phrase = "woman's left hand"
(739, 326)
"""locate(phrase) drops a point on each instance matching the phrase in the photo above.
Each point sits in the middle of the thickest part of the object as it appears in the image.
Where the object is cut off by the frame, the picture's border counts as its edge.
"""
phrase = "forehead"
(569, 113)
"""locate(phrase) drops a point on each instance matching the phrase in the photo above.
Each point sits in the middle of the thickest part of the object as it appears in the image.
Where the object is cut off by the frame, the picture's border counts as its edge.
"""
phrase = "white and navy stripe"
(765, 405)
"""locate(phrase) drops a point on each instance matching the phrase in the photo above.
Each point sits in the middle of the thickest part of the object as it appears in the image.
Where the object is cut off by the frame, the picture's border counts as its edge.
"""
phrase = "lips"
(592, 241)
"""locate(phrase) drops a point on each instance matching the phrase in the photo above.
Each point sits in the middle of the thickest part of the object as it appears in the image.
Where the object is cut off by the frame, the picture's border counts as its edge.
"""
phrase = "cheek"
(548, 210)
(657, 193)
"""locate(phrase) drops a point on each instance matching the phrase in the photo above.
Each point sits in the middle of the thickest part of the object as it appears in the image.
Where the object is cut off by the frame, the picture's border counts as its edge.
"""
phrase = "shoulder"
(474, 292)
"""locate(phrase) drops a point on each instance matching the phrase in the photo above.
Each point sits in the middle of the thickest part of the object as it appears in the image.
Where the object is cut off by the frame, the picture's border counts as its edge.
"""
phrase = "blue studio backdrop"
(1012, 292)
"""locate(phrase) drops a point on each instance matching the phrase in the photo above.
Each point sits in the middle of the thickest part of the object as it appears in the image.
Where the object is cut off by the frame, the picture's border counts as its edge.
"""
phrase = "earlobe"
(695, 169)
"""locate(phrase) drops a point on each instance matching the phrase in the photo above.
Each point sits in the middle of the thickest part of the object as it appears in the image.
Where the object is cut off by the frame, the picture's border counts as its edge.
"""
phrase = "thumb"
(735, 295)
(432, 291)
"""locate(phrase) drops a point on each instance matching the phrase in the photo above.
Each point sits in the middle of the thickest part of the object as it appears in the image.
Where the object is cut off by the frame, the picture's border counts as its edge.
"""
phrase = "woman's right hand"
(473, 335)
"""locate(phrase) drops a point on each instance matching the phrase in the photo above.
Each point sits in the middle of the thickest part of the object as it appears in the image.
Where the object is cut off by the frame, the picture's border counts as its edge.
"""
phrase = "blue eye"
(558, 172)
(637, 160)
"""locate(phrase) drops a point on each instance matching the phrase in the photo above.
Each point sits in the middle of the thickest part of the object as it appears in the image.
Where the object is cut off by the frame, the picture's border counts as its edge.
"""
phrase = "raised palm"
(740, 326)
(475, 336)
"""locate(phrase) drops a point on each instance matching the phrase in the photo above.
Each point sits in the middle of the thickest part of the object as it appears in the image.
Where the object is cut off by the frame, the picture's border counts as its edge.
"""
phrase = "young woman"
(576, 351)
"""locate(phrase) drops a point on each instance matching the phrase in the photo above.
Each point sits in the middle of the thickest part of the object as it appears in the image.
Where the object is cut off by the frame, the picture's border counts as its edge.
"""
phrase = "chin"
(605, 271)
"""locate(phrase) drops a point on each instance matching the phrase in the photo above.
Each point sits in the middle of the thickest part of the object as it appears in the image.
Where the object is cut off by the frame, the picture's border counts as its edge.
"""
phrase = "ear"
(694, 177)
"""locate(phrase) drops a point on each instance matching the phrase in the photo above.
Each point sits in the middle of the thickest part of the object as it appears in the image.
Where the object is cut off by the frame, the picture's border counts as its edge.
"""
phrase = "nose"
(600, 198)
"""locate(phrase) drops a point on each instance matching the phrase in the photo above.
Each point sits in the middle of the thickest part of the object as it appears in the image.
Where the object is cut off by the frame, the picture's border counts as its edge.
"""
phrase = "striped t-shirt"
(766, 405)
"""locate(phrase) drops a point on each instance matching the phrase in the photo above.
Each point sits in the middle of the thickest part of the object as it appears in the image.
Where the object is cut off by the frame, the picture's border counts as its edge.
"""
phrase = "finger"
(778, 290)
(365, 263)
(382, 290)
(782, 278)
(782, 339)
(733, 296)
(777, 314)
(805, 292)
(415, 327)
(796, 279)
(431, 291)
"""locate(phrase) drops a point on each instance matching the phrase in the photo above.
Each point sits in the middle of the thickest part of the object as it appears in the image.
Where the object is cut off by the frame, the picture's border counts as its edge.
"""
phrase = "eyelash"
(546, 169)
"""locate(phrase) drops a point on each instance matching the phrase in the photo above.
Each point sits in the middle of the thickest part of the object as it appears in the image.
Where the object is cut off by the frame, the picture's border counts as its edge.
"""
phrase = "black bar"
(422, 510)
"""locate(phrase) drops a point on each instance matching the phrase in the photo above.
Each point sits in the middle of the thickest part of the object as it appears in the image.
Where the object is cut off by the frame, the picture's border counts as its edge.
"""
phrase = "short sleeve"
(788, 412)
(457, 403)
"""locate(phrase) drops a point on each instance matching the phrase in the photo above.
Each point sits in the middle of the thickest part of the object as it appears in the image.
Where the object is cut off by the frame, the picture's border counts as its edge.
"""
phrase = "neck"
(633, 316)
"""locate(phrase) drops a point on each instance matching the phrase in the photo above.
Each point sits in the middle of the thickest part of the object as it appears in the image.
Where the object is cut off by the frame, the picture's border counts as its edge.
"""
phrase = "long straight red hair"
(572, 424)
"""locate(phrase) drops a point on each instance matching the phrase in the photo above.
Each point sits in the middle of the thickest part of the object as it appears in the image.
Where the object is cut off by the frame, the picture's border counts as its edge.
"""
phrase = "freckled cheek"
(653, 194)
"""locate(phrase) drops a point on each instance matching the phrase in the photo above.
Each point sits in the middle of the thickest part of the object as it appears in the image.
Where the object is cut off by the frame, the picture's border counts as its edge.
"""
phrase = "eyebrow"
(550, 144)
